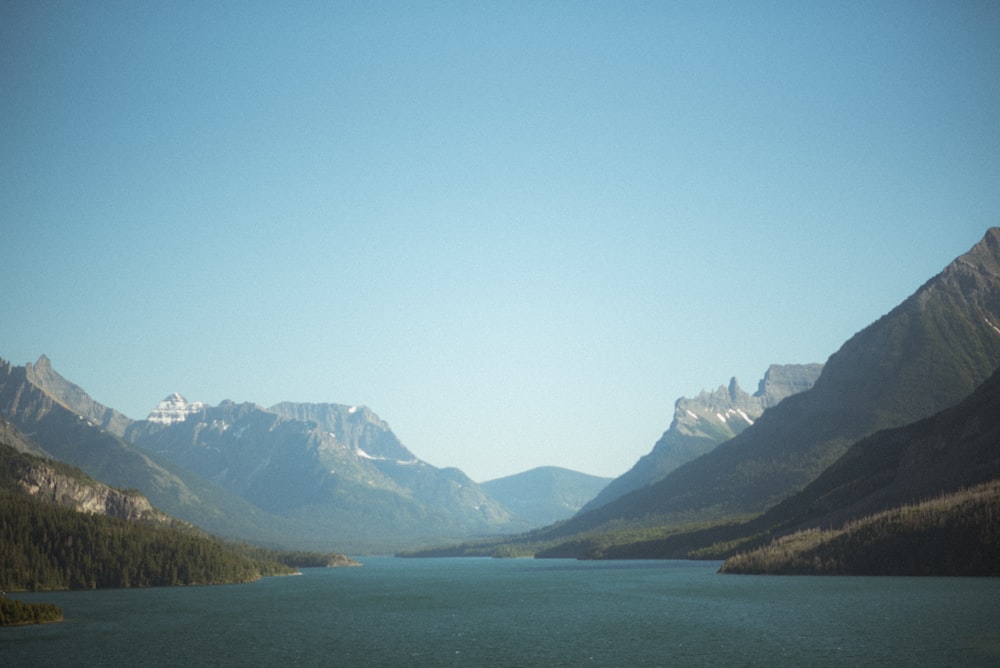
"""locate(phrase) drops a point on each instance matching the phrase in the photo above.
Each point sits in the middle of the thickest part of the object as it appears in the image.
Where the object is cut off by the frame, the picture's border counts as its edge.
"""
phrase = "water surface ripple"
(477, 612)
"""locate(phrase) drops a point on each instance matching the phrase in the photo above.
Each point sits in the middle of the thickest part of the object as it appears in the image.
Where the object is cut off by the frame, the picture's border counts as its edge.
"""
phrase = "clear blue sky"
(517, 231)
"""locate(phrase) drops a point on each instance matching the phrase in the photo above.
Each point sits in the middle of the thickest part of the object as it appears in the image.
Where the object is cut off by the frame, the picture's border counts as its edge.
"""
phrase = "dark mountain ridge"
(958, 447)
(953, 450)
(926, 354)
(934, 483)
(61, 529)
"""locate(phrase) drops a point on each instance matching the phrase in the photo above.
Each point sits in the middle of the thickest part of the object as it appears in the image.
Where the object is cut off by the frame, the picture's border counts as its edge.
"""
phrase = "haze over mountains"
(325, 476)
(244, 472)
(810, 445)
(546, 494)
(310, 476)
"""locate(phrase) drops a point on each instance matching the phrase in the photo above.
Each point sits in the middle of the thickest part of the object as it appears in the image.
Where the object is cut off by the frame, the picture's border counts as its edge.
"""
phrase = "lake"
(524, 612)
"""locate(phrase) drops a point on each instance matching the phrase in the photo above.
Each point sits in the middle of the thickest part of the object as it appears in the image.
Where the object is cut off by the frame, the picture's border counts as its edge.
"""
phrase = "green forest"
(16, 613)
(45, 546)
(955, 534)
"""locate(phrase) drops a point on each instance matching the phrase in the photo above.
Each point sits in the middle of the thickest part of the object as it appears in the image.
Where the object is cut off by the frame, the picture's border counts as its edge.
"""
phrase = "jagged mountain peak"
(703, 422)
(734, 388)
(735, 409)
(248, 473)
(72, 396)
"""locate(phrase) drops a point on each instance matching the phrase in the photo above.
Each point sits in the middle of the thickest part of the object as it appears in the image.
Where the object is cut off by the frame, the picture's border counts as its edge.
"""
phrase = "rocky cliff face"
(784, 380)
(727, 411)
(359, 428)
(93, 498)
(71, 488)
(701, 423)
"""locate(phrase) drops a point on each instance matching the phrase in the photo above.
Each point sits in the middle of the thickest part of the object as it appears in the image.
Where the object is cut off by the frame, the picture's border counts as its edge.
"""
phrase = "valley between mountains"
(812, 472)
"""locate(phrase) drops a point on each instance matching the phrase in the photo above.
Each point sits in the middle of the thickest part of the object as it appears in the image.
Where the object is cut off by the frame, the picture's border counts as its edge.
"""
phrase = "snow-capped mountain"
(309, 476)
(338, 468)
(174, 408)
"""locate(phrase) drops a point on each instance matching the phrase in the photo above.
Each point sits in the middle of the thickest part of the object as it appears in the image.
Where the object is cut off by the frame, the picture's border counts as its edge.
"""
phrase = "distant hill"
(546, 494)
(703, 422)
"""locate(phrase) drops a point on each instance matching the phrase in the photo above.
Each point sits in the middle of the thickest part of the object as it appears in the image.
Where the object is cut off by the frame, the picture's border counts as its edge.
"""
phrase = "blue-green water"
(476, 612)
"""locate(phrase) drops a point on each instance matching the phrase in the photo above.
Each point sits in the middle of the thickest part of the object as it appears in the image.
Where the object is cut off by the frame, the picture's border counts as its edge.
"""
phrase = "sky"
(517, 231)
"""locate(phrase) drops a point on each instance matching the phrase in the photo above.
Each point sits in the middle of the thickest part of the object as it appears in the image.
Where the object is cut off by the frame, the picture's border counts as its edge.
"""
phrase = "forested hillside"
(47, 543)
(47, 547)
(955, 534)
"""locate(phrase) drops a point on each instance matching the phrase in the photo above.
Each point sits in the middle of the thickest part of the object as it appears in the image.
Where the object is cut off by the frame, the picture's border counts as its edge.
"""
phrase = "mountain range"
(901, 412)
(925, 355)
(321, 476)
(337, 468)
(295, 475)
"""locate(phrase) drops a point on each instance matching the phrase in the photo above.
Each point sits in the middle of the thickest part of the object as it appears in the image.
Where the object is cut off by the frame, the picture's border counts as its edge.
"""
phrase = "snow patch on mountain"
(173, 409)
(364, 455)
